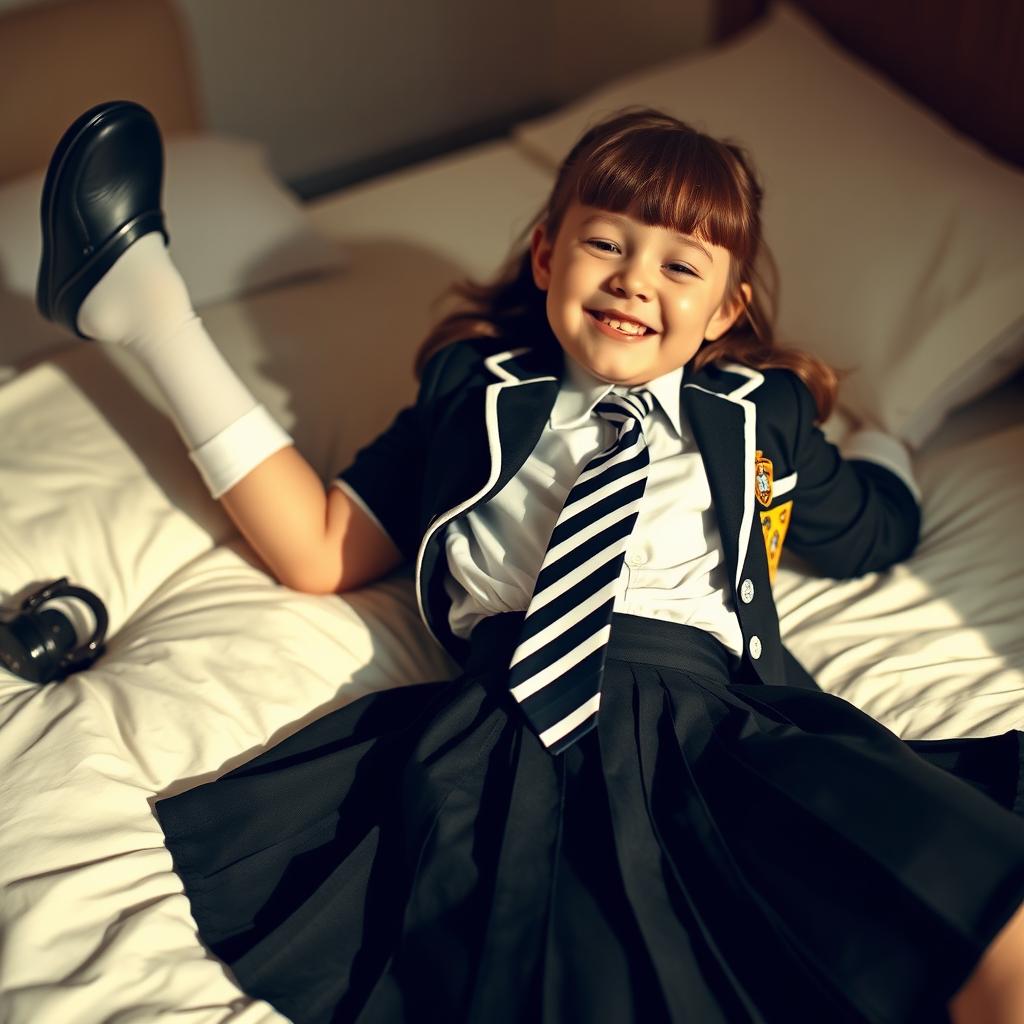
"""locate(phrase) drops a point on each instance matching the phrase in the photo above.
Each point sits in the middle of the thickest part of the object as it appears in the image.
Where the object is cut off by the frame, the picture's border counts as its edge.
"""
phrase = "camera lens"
(33, 647)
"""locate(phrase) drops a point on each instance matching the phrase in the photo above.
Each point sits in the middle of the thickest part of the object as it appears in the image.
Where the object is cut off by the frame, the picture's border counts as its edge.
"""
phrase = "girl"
(633, 804)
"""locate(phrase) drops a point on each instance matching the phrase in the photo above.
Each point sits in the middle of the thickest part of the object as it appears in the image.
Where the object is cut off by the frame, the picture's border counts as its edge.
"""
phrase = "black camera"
(41, 644)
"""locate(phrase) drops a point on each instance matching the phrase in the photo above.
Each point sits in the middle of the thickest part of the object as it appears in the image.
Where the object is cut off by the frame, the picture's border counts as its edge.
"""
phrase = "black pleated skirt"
(710, 853)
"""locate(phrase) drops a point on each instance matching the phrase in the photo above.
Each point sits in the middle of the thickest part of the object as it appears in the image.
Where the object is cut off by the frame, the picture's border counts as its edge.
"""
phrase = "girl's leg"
(142, 304)
(994, 992)
(273, 495)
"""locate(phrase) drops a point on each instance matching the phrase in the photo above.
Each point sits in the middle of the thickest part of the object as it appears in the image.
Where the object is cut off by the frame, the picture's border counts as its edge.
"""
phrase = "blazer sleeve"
(386, 476)
(850, 515)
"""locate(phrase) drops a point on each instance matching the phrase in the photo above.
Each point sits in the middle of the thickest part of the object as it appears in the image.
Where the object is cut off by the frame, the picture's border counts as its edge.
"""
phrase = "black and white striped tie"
(555, 673)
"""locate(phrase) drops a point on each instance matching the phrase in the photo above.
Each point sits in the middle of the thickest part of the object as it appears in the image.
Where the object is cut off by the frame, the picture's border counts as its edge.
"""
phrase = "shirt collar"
(581, 391)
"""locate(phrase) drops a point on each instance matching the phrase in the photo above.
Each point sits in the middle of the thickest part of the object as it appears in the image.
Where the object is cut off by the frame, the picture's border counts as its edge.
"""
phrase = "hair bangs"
(675, 181)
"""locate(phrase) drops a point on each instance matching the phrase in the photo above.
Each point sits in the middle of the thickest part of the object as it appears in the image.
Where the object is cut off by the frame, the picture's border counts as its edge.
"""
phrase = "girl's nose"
(630, 282)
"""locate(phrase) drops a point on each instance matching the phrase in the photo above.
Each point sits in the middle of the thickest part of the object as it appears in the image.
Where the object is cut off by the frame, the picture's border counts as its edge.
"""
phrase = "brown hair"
(665, 173)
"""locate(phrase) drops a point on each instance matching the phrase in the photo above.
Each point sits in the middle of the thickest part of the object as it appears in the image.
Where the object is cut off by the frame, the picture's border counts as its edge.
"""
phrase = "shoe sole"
(104, 257)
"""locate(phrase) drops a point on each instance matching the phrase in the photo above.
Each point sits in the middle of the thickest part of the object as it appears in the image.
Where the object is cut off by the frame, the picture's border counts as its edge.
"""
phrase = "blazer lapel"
(487, 435)
(522, 413)
(723, 427)
(489, 432)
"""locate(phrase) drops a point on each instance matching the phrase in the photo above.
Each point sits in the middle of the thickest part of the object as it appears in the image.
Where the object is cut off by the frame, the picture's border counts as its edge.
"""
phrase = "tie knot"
(624, 410)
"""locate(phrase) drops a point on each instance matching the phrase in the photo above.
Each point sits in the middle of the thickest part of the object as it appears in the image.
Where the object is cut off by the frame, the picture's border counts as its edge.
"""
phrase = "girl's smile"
(630, 301)
(619, 326)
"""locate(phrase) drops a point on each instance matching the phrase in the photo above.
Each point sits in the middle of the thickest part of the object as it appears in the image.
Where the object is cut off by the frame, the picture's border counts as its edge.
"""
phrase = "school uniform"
(729, 843)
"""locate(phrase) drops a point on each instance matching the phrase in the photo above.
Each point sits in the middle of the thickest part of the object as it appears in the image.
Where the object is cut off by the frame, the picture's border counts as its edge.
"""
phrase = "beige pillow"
(898, 240)
(234, 228)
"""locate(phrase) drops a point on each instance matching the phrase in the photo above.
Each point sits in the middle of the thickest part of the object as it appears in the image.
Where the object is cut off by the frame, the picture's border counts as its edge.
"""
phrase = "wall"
(328, 83)
(342, 89)
(339, 89)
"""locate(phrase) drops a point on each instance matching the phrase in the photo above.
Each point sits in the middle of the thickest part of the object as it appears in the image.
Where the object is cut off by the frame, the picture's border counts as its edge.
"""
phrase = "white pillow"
(898, 240)
(234, 228)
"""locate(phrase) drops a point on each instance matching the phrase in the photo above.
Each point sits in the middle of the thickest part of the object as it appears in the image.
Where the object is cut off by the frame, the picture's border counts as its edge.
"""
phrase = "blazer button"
(747, 591)
(755, 647)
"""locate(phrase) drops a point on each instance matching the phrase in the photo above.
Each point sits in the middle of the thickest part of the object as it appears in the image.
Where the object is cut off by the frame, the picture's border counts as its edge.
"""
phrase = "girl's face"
(605, 266)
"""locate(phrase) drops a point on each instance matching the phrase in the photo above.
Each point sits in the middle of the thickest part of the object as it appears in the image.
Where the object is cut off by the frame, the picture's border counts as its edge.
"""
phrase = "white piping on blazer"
(754, 381)
(507, 380)
(784, 485)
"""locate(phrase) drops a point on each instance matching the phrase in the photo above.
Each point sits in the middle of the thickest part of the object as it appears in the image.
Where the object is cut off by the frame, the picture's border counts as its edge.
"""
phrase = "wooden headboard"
(58, 59)
(962, 58)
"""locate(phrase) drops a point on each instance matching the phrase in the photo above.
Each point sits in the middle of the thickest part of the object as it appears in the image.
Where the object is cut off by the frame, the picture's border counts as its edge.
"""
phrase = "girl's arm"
(852, 514)
(312, 541)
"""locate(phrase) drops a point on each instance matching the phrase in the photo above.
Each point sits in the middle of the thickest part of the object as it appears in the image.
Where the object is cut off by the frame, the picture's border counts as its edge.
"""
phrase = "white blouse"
(674, 567)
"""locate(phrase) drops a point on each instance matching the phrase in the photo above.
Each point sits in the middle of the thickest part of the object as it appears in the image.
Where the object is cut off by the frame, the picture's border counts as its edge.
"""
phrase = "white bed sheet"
(210, 661)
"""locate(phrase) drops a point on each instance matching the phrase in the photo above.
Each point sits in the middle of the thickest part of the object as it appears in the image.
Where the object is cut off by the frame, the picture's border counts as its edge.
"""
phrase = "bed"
(209, 661)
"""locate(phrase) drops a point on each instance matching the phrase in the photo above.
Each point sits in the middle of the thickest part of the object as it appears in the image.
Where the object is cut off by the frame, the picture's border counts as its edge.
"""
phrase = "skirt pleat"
(709, 852)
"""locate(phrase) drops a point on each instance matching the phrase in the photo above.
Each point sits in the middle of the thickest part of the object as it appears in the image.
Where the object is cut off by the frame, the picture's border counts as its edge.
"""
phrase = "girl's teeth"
(627, 326)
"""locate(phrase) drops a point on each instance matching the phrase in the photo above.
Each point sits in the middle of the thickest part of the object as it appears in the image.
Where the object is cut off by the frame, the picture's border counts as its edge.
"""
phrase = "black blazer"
(483, 405)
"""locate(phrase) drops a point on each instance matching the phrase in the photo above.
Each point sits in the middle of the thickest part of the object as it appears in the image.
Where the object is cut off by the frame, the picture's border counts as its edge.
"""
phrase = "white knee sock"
(142, 303)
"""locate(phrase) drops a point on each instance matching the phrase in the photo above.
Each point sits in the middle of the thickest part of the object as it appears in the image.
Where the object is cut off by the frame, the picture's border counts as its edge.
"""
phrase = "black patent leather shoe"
(101, 194)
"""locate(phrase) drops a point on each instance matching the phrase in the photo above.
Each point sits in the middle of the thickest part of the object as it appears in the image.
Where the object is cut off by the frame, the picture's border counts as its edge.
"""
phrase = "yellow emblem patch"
(774, 525)
(763, 478)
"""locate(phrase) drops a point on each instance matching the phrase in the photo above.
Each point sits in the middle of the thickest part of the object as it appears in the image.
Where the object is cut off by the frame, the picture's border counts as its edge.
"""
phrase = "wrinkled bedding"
(209, 661)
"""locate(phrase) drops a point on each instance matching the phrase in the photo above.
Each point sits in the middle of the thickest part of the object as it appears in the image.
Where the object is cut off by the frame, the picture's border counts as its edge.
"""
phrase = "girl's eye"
(603, 245)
